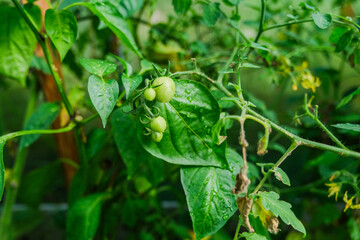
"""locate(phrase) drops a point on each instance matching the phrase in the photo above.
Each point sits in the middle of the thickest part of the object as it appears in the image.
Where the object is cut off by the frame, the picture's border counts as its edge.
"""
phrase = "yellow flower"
(305, 78)
(334, 188)
(294, 87)
(308, 81)
(332, 177)
(302, 67)
(349, 203)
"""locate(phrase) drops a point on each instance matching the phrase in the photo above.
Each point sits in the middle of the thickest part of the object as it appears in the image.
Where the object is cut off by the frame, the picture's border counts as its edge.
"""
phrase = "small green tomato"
(165, 90)
(149, 94)
(158, 124)
(156, 136)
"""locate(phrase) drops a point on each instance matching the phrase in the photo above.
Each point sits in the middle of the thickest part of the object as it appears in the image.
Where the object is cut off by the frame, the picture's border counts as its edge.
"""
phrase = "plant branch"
(299, 22)
(321, 125)
(227, 64)
(38, 131)
(292, 147)
(236, 237)
(19, 164)
(262, 20)
(48, 58)
(291, 136)
(261, 24)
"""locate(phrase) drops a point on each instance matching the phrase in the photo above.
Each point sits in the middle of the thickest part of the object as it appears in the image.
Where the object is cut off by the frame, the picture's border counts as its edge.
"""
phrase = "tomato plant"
(182, 119)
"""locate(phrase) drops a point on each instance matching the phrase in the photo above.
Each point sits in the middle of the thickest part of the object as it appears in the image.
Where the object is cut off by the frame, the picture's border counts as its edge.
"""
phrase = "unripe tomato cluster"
(158, 126)
(161, 90)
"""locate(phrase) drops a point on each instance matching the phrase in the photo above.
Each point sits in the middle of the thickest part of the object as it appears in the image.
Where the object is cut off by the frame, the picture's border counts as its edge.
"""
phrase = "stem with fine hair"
(291, 136)
(48, 59)
(321, 125)
(19, 164)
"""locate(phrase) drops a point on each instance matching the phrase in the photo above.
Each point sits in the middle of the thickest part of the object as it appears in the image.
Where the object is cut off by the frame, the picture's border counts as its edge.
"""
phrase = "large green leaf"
(323, 21)
(34, 14)
(95, 142)
(211, 13)
(17, 44)
(344, 40)
(112, 18)
(348, 126)
(271, 202)
(103, 94)
(62, 28)
(42, 118)
(132, 153)
(187, 139)
(208, 195)
(181, 6)
(83, 217)
(130, 7)
(130, 83)
(2, 168)
(98, 67)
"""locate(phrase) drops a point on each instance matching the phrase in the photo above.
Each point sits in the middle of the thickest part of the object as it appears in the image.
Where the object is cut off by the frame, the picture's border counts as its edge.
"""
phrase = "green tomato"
(156, 136)
(165, 89)
(158, 124)
(149, 94)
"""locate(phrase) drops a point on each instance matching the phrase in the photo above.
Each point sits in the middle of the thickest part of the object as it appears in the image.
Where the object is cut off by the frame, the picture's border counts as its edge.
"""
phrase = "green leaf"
(112, 18)
(79, 184)
(40, 64)
(62, 28)
(258, 46)
(211, 13)
(337, 33)
(190, 116)
(38, 182)
(95, 142)
(271, 202)
(17, 44)
(323, 21)
(248, 65)
(146, 66)
(103, 94)
(344, 40)
(2, 168)
(127, 66)
(209, 197)
(281, 176)
(132, 153)
(252, 236)
(348, 98)
(42, 118)
(348, 126)
(308, 6)
(130, 7)
(181, 6)
(34, 14)
(84, 217)
(130, 83)
(100, 68)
